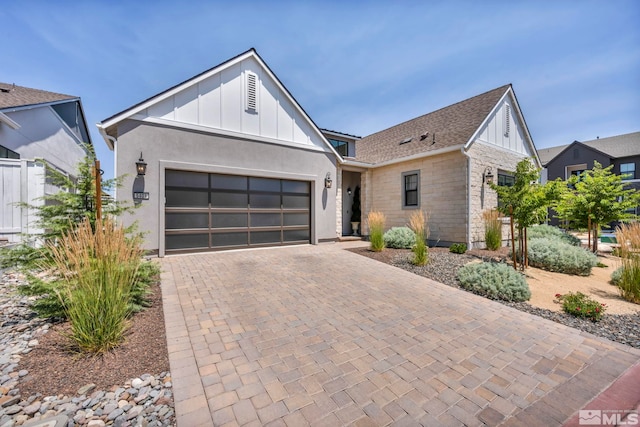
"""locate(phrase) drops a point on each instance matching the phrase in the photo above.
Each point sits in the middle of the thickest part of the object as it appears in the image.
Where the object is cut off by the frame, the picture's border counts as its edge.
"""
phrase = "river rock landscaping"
(41, 378)
(443, 266)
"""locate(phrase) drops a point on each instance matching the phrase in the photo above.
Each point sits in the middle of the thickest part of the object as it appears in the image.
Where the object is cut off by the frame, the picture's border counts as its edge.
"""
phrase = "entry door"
(206, 211)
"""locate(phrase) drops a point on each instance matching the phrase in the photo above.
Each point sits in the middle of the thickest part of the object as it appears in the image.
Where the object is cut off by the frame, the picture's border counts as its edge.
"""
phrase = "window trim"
(404, 189)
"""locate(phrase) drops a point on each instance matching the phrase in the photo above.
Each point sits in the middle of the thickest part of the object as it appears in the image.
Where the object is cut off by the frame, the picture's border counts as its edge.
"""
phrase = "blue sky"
(356, 66)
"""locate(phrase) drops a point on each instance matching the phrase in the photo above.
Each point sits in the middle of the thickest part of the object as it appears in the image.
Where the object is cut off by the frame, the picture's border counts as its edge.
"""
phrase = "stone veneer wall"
(482, 197)
(443, 194)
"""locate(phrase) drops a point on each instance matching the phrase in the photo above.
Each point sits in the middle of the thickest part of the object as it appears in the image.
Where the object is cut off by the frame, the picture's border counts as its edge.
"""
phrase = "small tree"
(595, 198)
(526, 203)
(63, 210)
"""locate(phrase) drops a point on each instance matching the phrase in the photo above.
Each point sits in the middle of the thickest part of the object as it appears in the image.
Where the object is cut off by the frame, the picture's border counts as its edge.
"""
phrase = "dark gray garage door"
(205, 211)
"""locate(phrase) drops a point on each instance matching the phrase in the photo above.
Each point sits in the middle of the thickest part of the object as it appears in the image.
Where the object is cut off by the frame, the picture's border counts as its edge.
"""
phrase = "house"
(36, 126)
(440, 162)
(232, 160)
(621, 151)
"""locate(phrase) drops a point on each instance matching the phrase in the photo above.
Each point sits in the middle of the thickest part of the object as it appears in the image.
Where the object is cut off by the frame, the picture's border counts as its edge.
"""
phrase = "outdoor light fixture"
(349, 191)
(327, 180)
(141, 166)
(488, 175)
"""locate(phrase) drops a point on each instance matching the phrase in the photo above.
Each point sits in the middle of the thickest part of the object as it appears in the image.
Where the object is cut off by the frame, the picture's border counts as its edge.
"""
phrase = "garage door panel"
(216, 211)
(187, 241)
(223, 199)
(227, 220)
(264, 201)
(296, 219)
(187, 198)
(182, 220)
(296, 235)
(295, 202)
(230, 239)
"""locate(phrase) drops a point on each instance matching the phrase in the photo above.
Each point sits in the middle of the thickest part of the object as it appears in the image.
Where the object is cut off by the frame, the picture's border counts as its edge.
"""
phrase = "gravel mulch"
(54, 368)
(443, 266)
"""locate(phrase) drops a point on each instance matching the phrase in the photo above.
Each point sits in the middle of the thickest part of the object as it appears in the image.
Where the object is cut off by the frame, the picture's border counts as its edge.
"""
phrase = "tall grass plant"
(376, 222)
(628, 236)
(492, 229)
(97, 270)
(419, 224)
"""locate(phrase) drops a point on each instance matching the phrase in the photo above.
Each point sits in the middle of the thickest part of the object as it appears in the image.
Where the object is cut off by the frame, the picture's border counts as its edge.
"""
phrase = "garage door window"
(214, 211)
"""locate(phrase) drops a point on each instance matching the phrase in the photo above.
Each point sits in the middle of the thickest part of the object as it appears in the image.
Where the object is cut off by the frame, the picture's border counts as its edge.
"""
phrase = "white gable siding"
(493, 131)
(219, 102)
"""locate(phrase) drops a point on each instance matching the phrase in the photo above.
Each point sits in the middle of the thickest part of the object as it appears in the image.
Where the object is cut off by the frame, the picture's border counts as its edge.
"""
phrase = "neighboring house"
(622, 151)
(35, 126)
(232, 160)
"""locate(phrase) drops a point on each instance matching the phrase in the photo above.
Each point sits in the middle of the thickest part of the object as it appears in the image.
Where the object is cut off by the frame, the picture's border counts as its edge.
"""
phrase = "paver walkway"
(315, 335)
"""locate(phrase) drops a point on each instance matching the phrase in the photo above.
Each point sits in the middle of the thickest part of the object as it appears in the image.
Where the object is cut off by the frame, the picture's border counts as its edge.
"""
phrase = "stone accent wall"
(442, 195)
(483, 197)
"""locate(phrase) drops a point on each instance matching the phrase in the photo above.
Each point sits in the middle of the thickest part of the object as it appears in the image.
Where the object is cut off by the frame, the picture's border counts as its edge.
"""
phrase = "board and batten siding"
(503, 129)
(220, 102)
(21, 181)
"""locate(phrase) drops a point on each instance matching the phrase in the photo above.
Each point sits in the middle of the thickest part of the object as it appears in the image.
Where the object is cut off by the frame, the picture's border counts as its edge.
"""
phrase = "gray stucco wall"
(166, 147)
(574, 155)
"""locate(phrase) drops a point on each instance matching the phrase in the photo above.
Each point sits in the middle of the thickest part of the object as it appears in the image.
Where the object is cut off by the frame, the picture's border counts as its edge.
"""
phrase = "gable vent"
(252, 92)
(507, 120)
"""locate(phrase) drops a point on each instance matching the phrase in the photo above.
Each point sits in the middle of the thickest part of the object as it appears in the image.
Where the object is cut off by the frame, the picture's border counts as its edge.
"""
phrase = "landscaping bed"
(443, 266)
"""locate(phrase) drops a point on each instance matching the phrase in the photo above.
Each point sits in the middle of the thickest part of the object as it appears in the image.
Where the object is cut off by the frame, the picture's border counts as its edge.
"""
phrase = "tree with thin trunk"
(595, 198)
(526, 203)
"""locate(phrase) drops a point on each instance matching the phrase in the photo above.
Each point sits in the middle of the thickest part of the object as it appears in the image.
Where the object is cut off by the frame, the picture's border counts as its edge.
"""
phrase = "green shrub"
(549, 232)
(458, 248)
(399, 238)
(376, 222)
(492, 229)
(555, 255)
(495, 281)
(616, 276)
(581, 305)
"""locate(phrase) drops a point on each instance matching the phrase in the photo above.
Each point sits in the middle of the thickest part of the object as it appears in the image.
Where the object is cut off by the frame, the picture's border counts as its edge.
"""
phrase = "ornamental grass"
(97, 270)
(419, 224)
(376, 221)
(628, 236)
(492, 229)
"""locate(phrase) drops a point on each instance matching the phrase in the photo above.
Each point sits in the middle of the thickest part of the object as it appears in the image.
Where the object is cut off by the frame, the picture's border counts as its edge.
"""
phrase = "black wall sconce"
(349, 191)
(141, 166)
(487, 177)
(327, 180)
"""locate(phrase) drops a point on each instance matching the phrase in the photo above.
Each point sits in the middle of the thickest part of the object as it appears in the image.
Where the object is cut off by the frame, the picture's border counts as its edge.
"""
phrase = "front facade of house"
(233, 161)
(36, 126)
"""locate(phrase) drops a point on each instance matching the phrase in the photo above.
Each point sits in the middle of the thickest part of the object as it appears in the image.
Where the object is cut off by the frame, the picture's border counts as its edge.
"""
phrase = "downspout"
(468, 203)
(115, 161)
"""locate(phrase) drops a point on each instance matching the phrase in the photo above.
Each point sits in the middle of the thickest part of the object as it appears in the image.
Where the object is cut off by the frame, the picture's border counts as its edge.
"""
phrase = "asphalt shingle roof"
(615, 146)
(452, 125)
(20, 96)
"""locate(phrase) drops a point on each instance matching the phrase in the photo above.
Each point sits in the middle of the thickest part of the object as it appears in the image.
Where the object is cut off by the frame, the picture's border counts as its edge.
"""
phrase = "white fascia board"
(224, 132)
(8, 121)
(107, 138)
(417, 156)
(342, 135)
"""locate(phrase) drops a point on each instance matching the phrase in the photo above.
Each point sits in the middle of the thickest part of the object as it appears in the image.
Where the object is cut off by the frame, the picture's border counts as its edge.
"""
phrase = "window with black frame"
(411, 189)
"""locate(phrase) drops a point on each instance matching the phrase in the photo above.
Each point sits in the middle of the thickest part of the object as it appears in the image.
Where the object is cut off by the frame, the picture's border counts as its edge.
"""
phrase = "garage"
(208, 211)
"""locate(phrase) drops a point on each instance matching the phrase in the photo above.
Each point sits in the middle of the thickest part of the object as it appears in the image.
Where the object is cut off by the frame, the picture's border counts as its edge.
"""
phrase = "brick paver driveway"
(318, 335)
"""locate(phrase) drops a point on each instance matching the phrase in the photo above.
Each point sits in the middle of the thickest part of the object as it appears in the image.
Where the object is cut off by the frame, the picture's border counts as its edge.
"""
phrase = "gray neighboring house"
(232, 160)
(35, 126)
(621, 151)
